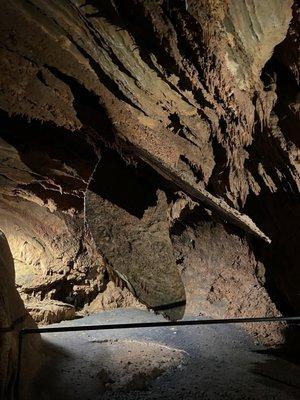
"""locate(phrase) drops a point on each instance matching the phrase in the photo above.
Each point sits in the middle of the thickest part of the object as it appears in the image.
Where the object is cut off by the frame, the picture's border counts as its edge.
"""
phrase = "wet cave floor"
(192, 362)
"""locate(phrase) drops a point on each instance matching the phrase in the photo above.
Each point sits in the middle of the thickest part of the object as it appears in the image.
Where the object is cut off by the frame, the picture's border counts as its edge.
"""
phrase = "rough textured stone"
(13, 315)
(49, 311)
(129, 222)
(232, 285)
(112, 297)
(196, 93)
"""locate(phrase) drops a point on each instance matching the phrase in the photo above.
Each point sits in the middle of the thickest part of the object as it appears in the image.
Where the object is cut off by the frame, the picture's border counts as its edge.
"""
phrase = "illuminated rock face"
(193, 102)
(13, 314)
(129, 222)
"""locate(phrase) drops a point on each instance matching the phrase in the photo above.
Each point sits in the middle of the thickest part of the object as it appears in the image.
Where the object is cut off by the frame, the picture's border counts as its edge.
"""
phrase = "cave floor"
(195, 362)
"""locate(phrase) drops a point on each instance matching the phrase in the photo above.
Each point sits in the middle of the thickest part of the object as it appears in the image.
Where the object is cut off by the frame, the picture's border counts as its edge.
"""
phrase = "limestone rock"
(14, 317)
(129, 223)
(206, 95)
(112, 297)
(50, 311)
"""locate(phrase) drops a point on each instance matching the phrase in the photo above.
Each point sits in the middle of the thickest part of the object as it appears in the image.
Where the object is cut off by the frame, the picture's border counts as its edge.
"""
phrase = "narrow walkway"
(194, 362)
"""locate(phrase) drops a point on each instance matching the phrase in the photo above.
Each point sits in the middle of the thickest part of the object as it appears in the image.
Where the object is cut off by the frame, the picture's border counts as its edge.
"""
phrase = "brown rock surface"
(232, 285)
(112, 297)
(195, 95)
(14, 317)
(49, 311)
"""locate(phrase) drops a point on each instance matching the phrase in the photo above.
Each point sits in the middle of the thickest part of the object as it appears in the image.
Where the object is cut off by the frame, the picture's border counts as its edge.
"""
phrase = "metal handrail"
(157, 324)
(136, 325)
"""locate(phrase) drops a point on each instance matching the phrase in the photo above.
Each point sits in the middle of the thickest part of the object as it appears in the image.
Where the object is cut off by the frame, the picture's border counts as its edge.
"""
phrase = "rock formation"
(154, 143)
(13, 317)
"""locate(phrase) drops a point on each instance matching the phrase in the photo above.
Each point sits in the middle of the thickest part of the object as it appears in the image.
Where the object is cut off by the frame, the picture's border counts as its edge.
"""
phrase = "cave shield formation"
(128, 219)
(149, 155)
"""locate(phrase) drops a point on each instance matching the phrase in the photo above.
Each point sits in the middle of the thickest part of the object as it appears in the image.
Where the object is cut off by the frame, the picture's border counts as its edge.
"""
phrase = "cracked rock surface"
(199, 100)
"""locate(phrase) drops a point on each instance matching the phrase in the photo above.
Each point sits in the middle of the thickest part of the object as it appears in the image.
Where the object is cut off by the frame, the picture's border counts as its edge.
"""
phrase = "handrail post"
(18, 382)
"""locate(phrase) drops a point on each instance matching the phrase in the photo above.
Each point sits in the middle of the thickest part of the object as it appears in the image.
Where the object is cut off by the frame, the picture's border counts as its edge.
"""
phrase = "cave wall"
(234, 283)
(192, 89)
(14, 317)
(42, 184)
